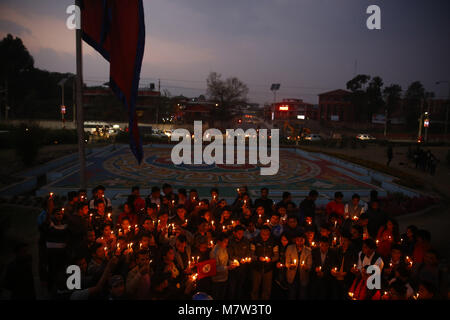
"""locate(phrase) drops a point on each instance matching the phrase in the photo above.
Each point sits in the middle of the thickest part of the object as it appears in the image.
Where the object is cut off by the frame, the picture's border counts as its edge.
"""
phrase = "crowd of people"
(262, 249)
(424, 160)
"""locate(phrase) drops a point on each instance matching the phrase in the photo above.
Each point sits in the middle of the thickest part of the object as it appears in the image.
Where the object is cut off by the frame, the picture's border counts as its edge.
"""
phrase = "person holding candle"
(238, 249)
(298, 265)
(225, 220)
(368, 256)
(276, 227)
(181, 218)
(99, 217)
(183, 254)
(336, 205)
(214, 192)
(308, 207)
(99, 195)
(138, 278)
(264, 200)
(346, 257)
(154, 197)
(56, 233)
(323, 260)
(223, 264)
(265, 253)
(128, 212)
(387, 235)
(354, 208)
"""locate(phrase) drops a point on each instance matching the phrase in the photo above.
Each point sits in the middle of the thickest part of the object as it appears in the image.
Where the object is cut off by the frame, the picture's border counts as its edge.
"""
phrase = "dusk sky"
(309, 46)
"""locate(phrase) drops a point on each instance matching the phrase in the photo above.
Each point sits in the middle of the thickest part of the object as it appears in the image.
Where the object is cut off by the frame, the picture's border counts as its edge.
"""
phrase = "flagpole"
(80, 112)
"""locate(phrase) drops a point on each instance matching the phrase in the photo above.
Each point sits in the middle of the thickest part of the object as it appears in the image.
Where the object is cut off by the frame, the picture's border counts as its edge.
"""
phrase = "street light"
(448, 101)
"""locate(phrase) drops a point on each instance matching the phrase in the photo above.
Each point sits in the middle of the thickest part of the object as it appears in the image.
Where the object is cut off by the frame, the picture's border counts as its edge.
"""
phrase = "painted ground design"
(298, 174)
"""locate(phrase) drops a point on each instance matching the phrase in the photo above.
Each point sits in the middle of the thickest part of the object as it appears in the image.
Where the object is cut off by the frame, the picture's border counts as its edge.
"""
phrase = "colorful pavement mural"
(298, 173)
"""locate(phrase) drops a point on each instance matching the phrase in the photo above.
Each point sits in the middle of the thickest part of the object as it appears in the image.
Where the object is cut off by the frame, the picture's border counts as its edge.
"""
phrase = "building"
(290, 110)
(100, 103)
(336, 106)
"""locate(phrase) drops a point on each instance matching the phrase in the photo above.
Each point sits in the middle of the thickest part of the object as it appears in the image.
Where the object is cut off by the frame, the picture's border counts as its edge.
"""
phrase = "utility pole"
(80, 115)
(74, 104)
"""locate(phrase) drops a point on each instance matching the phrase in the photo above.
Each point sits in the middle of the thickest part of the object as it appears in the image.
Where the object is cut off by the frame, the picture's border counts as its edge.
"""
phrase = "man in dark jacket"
(265, 254)
(324, 260)
(238, 251)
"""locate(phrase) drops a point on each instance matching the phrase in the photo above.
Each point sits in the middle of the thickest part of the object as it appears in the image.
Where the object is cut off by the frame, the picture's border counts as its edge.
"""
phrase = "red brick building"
(336, 106)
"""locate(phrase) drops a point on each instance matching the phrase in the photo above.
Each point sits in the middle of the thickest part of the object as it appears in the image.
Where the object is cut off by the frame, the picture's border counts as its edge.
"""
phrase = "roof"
(335, 92)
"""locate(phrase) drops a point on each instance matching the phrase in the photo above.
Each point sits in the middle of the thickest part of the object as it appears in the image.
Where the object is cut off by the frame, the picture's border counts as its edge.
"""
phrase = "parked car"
(313, 137)
(365, 137)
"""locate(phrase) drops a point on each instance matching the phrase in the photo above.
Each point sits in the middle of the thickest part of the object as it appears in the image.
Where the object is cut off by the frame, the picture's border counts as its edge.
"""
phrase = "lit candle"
(212, 222)
(303, 263)
(377, 242)
(350, 294)
(236, 263)
(267, 259)
(51, 194)
(313, 244)
(354, 266)
(173, 202)
(295, 262)
(267, 221)
(198, 258)
(109, 215)
(335, 269)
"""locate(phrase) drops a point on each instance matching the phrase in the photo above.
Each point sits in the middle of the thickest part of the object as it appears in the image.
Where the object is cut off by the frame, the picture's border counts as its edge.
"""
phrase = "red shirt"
(333, 206)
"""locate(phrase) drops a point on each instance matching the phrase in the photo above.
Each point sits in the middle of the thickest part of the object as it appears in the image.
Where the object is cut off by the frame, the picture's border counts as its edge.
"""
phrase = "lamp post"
(448, 102)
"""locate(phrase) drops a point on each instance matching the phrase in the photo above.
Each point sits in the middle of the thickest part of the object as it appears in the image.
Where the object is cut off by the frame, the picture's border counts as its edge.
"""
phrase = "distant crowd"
(262, 249)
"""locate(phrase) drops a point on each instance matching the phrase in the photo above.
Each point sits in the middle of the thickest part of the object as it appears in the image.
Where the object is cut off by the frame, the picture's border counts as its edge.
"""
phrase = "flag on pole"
(116, 29)
(206, 268)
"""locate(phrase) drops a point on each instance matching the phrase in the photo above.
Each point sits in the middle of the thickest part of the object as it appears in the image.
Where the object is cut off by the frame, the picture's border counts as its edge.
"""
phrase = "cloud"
(7, 26)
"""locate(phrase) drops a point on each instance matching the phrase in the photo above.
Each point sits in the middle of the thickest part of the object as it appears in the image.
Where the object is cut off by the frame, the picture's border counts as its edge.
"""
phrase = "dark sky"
(309, 46)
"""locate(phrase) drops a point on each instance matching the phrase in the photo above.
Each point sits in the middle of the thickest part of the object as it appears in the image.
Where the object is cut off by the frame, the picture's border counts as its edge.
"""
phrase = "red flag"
(116, 29)
(206, 268)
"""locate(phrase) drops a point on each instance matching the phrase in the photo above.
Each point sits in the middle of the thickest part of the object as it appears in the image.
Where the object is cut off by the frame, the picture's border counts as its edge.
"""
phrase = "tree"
(228, 93)
(392, 96)
(359, 95)
(14, 57)
(374, 97)
(414, 96)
